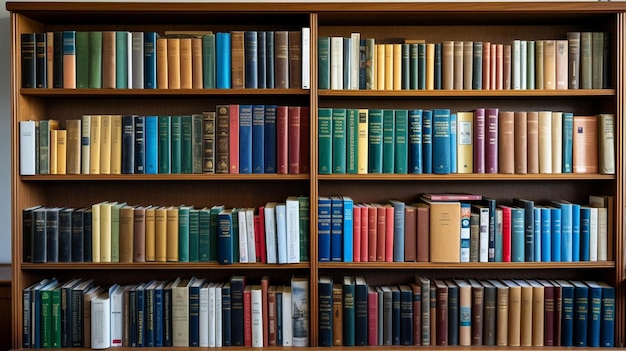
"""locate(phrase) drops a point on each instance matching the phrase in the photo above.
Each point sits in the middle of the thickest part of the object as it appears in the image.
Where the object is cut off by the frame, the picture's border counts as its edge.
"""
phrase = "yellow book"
(397, 66)
(73, 146)
(465, 146)
(95, 232)
(549, 64)
(105, 144)
(380, 66)
(172, 234)
(160, 234)
(430, 66)
(94, 147)
(445, 231)
(389, 67)
(61, 151)
(105, 231)
(54, 137)
(150, 233)
(362, 142)
(85, 145)
(116, 144)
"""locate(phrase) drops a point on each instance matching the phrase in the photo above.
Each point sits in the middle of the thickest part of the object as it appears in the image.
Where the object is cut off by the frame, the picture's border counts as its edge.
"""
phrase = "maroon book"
(491, 140)
(293, 150)
(548, 316)
(479, 140)
(282, 140)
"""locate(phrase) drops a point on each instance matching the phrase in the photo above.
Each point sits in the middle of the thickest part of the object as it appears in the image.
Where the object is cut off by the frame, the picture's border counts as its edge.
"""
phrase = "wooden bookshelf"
(434, 22)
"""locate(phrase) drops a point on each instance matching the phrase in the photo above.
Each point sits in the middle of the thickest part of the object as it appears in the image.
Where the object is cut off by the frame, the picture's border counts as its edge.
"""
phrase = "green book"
(375, 141)
(597, 50)
(421, 66)
(325, 143)
(215, 211)
(204, 235)
(95, 60)
(352, 141)
(164, 144)
(413, 67)
(339, 140)
(208, 61)
(530, 64)
(46, 319)
(186, 150)
(304, 207)
(115, 231)
(56, 318)
(176, 148)
(196, 143)
(121, 60)
(370, 54)
(194, 235)
(44, 147)
(183, 233)
(323, 62)
(82, 60)
(235, 234)
(401, 145)
(389, 122)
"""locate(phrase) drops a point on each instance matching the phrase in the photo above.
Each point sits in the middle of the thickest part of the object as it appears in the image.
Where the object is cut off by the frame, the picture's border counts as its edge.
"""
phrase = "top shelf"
(157, 92)
(468, 93)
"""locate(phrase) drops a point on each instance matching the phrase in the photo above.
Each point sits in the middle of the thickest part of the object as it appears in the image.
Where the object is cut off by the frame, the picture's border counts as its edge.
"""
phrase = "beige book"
(389, 61)
(180, 312)
(61, 151)
(506, 142)
(445, 234)
(85, 147)
(150, 233)
(95, 142)
(604, 204)
(539, 64)
(73, 146)
(238, 74)
(95, 232)
(397, 66)
(105, 144)
(196, 63)
(532, 125)
(362, 141)
(499, 62)
(186, 64)
(116, 144)
(545, 141)
(173, 63)
(520, 142)
(515, 313)
(54, 144)
(468, 64)
(561, 64)
(557, 142)
(502, 312)
(526, 313)
(606, 146)
(430, 66)
(172, 234)
(493, 66)
(447, 65)
(585, 144)
(105, 231)
(549, 64)
(380, 66)
(160, 234)
(127, 230)
(162, 64)
(465, 317)
(465, 148)
(458, 65)
(538, 313)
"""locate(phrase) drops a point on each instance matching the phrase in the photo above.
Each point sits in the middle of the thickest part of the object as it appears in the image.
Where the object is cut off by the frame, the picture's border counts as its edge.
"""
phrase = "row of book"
(182, 312)
(442, 312)
(464, 228)
(232, 139)
(174, 60)
(580, 61)
(485, 140)
(116, 232)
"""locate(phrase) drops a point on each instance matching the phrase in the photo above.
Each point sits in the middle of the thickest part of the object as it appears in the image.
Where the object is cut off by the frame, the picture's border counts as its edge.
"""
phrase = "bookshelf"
(434, 22)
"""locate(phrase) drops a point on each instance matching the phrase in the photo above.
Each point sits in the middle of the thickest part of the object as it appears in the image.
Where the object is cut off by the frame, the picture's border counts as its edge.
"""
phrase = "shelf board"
(156, 92)
(164, 177)
(466, 93)
(469, 265)
(470, 176)
(160, 266)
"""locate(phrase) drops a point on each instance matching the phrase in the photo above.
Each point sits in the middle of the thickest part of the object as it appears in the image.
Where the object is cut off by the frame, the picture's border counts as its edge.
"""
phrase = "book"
(299, 311)
(585, 144)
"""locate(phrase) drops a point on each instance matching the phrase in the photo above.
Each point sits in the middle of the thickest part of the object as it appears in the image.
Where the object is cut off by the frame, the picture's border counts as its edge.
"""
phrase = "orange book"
(196, 62)
(237, 49)
(430, 66)
(585, 144)
(186, 65)
(265, 286)
(445, 235)
(150, 233)
(162, 66)
(173, 63)
(54, 136)
(487, 65)
(506, 142)
(160, 234)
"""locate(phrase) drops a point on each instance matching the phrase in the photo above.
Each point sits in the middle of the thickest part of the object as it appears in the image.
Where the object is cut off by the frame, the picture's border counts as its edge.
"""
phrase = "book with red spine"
(282, 140)
(389, 232)
(247, 316)
(233, 139)
(293, 139)
(356, 231)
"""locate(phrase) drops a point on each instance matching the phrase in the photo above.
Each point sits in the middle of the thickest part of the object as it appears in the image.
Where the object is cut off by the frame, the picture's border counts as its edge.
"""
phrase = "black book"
(39, 244)
(57, 60)
(128, 144)
(360, 311)
(66, 312)
(406, 315)
(52, 234)
(269, 53)
(41, 79)
(325, 297)
(29, 66)
(453, 313)
(87, 239)
(65, 235)
(395, 315)
(78, 242)
(77, 306)
(237, 285)
(262, 59)
(140, 152)
(167, 313)
(226, 315)
(28, 230)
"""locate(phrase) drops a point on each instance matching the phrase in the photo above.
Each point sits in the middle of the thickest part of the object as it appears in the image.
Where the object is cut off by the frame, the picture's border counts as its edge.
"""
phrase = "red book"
(282, 144)
(506, 233)
(271, 314)
(442, 313)
(410, 233)
(364, 233)
(558, 306)
(305, 139)
(233, 144)
(548, 316)
(265, 285)
(247, 316)
(372, 316)
(356, 230)
(417, 313)
(293, 122)
(491, 140)
(486, 65)
(381, 228)
(372, 218)
(259, 235)
(479, 140)
(423, 233)
(389, 227)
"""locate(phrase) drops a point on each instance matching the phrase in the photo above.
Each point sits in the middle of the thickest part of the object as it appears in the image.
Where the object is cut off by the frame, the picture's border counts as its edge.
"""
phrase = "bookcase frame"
(436, 20)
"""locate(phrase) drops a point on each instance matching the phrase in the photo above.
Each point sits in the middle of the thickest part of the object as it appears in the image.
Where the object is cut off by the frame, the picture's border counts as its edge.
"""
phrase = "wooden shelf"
(466, 266)
(469, 176)
(522, 94)
(160, 266)
(165, 177)
(139, 93)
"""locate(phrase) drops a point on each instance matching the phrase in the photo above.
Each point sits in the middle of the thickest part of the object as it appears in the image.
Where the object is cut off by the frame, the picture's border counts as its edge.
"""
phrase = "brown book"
(139, 247)
(196, 63)
(506, 142)
(127, 228)
(532, 137)
(458, 65)
(150, 233)
(237, 49)
(526, 313)
(502, 312)
(558, 310)
(265, 286)
(477, 300)
(423, 232)
(585, 144)
(447, 65)
(561, 64)
(487, 65)
(445, 224)
(549, 64)
(417, 312)
(73, 146)
(410, 233)
(506, 67)
(337, 315)
(271, 315)
(520, 143)
(172, 234)
(441, 311)
(173, 63)
(538, 306)
(186, 64)
(468, 64)
(105, 144)
(108, 60)
(95, 142)
(222, 139)
(162, 64)
(548, 313)
(474, 237)
(295, 60)
(539, 64)
(160, 234)
(515, 312)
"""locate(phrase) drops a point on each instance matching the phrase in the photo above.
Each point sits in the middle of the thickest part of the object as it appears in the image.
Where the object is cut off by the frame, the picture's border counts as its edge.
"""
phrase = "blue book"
(269, 46)
(164, 145)
(415, 142)
(566, 230)
(349, 315)
(375, 141)
(398, 230)
(546, 234)
(194, 312)
(360, 311)
(453, 142)
(537, 233)
(441, 141)
(568, 134)
(152, 144)
(128, 144)
(575, 232)
(141, 314)
(389, 126)
(585, 232)
(402, 143)
(567, 312)
(222, 60)
(339, 140)
(607, 315)
(407, 315)
(258, 139)
(323, 228)
(214, 236)
(438, 54)
(158, 313)
(251, 54)
(529, 222)
(235, 235)
(348, 235)
(555, 217)
(149, 60)
(140, 151)
(395, 315)
(245, 139)
(262, 59)
(581, 313)
(279, 317)
(595, 313)
(225, 236)
(269, 138)
(226, 315)
(517, 234)
(427, 141)
(237, 286)
(466, 214)
(325, 293)
(336, 229)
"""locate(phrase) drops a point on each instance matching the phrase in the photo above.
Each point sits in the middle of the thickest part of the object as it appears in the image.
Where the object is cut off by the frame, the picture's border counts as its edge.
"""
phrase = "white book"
(602, 234)
(243, 236)
(180, 312)
(101, 321)
(557, 142)
(211, 315)
(281, 232)
(523, 64)
(300, 310)
(355, 42)
(28, 152)
(129, 58)
(137, 60)
(218, 315)
(306, 58)
(203, 316)
(287, 317)
(545, 142)
(336, 63)
(250, 232)
(116, 295)
(593, 235)
(292, 214)
(257, 316)
(483, 239)
(85, 143)
(516, 65)
(270, 232)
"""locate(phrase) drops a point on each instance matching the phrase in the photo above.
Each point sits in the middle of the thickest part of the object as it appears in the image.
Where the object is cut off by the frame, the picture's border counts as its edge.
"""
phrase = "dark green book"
(204, 235)
(95, 60)
(208, 61)
(352, 141)
(339, 140)
(375, 141)
(164, 144)
(29, 65)
(401, 162)
(348, 311)
(176, 128)
(196, 143)
(389, 144)
(235, 234)
(215, 211)
(194, 235)
(421, 66)
(304, 207)
(183, 233)
(186, 150)
(56, 318)
(323, 62)
(325, 140)
(406, 72)
(413, 66)
(82, 60)
(121, 60)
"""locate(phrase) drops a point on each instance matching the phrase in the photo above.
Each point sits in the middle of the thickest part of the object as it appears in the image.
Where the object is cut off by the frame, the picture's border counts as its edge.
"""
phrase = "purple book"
(491, 140)
(479, 140)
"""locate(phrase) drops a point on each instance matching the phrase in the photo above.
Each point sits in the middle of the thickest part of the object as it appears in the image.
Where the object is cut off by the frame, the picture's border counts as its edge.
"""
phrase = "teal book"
(197, 125)
(323, 62)
(82, 60)
(95, 60)
(194, 235)
(389, 143)
(339, 140)
(581, 313)
(183, 233)
(151, 136)
(225, 236)
(421, 66)
(176, 127)
(375, 141)
(568, 134)
(401, 147)
(325, 142)
(213, 239)
(555, 215)
(186, 145)
(415, 142)
(121, 60)
(398, 230)
(546, 234)
(150, 60)
(567, 312)
(349, 315)
(352, 141)
(348, 234)
(427, 141)
(304, 207)
(245, 139)
(208, 61)
(441, 141)
(164, 145)
(517, 234)
(204, 235)
(413, 67)
(566, 229)
(453, 143)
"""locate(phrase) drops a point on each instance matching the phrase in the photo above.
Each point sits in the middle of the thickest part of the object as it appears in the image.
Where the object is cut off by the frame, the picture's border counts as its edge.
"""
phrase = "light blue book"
(537, 234)
(151, 136)
(546, 233)
(348, 235)
(555, 214)
(575, 232)
(566, 230)
(453, 143)
(398, 230)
